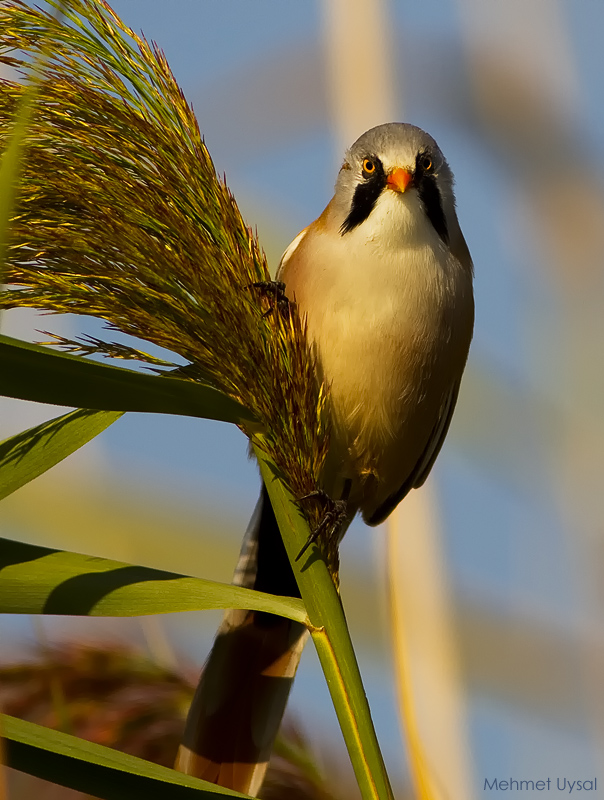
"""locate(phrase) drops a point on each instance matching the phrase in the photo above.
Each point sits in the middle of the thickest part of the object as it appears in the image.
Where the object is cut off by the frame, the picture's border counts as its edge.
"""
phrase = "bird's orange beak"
(399, 179)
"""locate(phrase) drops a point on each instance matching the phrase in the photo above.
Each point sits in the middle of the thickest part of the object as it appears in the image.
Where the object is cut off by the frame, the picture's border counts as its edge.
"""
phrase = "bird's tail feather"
(244, 686)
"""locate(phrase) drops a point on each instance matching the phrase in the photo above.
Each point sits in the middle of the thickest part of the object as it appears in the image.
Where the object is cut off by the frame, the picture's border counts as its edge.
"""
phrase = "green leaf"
(25, 456)
(37, 580)
(331, 637)
(10, 165)
(33, 372)
(94, 769)
(10, 170)
(12, 157)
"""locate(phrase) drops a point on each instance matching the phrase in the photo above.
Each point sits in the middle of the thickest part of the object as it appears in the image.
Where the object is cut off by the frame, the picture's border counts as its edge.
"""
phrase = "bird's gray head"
(398, 157)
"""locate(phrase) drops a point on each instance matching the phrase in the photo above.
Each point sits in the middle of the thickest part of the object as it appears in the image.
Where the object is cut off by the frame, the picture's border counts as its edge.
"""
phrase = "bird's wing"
(291, 248)
(426, 460)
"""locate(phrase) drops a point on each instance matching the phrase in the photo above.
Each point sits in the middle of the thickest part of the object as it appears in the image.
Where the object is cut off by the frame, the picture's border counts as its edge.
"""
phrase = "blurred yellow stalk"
(430, 698)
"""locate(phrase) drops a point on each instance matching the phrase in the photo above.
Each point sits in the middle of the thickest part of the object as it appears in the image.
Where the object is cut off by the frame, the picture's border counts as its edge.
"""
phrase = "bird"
(383, 280)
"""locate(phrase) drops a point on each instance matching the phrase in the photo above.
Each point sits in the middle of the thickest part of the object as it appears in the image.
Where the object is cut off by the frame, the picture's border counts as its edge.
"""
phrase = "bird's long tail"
(244, 686)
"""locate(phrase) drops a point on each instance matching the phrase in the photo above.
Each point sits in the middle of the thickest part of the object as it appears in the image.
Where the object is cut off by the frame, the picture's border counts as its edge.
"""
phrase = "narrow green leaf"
(33, 372)
(94, 769)
(25, 456)
(37, 580)
(12, 157)
(10, 165)
(10, 170)
(330, 634)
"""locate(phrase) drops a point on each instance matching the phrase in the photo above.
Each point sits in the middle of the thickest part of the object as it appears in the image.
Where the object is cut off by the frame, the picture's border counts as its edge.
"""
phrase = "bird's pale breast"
(387, 325)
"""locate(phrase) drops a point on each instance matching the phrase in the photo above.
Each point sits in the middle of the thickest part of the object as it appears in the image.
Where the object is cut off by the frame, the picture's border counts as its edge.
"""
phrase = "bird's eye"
(426, 163)
(368, 166)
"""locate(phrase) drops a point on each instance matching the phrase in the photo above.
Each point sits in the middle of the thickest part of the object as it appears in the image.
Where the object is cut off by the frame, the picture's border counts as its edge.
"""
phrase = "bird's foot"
(275, 291)
(334, 514)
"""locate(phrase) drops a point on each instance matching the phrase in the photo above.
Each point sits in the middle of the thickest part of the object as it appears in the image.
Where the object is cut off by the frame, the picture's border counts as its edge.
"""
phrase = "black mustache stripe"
(366, 195)
(364, 198)
(431, 200)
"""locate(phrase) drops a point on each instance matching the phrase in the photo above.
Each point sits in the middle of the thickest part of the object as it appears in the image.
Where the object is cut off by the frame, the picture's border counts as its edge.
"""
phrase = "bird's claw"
(334, 515)
(275, 290)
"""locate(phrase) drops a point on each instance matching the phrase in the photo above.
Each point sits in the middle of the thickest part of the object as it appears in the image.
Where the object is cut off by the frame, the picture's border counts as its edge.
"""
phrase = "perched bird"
(384, 280)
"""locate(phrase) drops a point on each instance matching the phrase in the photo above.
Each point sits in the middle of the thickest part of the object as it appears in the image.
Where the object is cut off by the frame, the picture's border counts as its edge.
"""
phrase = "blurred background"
(497, 564)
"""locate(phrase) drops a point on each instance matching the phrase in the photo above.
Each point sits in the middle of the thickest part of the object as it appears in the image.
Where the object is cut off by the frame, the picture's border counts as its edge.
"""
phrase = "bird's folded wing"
(425, 462)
